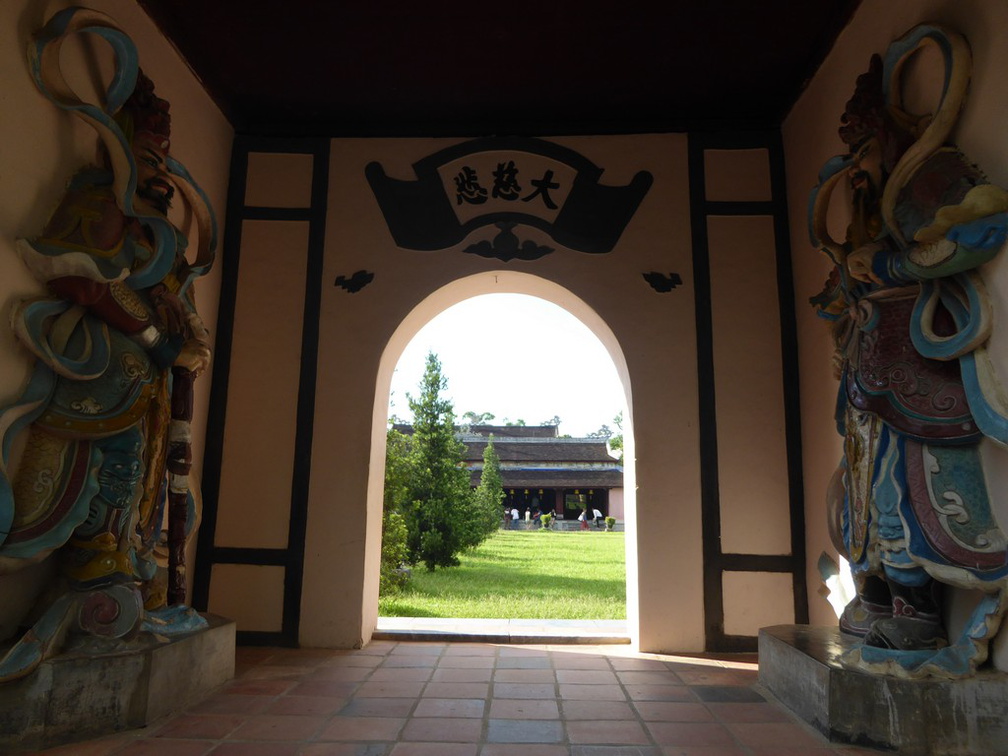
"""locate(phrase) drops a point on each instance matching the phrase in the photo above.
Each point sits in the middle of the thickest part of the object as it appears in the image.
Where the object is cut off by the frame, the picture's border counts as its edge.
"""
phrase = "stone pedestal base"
(800, 665)
(77, 696)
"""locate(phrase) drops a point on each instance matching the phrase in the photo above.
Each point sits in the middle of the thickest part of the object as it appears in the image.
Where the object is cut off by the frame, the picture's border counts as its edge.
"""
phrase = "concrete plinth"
(77, 696)
(800, 666)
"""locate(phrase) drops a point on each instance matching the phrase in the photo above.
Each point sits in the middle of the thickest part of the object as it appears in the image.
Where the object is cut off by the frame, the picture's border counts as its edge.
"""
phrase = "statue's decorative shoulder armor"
(942, 181)
(87, 219)
(88, 235)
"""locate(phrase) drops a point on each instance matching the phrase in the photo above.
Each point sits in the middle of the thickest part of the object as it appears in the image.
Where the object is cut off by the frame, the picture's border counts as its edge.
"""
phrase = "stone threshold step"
(553, 632)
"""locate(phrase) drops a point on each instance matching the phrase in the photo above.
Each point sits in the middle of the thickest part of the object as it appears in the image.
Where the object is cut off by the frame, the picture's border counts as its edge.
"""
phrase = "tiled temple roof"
(536, 457)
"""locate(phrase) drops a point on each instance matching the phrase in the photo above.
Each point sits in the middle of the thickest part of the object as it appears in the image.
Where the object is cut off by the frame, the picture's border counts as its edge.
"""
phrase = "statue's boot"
(43, 640)
(108, 612)
(915, 624)
(873, 602)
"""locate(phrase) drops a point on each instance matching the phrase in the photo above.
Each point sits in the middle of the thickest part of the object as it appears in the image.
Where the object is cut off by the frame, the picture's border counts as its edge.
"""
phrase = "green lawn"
(532, 574)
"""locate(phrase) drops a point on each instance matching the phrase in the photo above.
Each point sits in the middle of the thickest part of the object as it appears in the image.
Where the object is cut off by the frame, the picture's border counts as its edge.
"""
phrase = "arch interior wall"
(652, 337)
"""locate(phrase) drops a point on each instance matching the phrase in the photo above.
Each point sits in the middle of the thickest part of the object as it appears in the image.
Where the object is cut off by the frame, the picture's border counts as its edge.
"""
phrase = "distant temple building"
(544, 473)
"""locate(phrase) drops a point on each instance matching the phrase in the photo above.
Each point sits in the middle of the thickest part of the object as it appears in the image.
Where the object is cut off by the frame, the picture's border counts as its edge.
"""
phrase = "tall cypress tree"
(489, 496)
(438, 497)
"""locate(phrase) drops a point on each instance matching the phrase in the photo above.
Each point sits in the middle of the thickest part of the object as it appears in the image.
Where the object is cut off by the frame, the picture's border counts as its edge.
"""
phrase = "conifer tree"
(438, 498)
(489, 496)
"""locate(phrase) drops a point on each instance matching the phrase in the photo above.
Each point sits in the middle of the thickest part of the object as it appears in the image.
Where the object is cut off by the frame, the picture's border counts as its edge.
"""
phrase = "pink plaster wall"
(363, 334)
(616, 503)
(651, 337)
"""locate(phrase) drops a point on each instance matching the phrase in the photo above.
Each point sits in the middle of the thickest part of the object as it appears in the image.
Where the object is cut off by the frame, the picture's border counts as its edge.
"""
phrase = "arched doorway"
(506, 282)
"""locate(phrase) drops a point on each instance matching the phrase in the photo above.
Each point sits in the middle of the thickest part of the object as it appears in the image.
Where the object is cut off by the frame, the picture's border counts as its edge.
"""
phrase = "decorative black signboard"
(506, 181)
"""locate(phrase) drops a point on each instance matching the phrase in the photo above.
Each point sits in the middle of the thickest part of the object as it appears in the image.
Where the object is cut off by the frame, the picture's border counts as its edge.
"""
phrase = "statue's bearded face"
(153, 184)
(865, 171)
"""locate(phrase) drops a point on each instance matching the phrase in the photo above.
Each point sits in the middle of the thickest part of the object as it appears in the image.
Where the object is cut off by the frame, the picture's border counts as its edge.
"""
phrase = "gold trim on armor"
(103, 564)
(129, 300)
(73, 425)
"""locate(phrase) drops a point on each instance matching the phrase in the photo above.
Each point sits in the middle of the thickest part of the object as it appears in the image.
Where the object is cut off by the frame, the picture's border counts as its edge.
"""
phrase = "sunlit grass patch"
(523, 575)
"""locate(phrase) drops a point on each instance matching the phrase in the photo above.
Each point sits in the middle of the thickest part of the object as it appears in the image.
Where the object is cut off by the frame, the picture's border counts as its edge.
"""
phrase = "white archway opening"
(500, 282)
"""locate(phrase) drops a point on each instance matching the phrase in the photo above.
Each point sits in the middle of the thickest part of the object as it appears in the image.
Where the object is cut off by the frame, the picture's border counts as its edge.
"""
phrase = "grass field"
(523, 575)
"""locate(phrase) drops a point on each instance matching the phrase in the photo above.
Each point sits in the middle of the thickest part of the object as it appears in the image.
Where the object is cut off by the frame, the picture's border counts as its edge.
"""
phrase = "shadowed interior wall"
(655, 334)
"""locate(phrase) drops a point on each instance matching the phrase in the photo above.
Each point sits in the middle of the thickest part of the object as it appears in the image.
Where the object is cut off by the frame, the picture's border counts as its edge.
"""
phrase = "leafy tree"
(397, 470)
(489, 496)
(394, 553)
(518, 422)
(616, 439)
(438, 497)
(393, 574)
(477, 418)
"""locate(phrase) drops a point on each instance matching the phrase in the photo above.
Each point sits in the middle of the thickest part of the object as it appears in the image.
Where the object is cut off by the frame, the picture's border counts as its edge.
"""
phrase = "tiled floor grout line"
(559, 701)
(487, 704)
(633, 705)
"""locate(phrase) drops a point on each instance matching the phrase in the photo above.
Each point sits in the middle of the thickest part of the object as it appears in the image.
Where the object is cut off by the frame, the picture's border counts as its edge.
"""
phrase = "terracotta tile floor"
(478, 699)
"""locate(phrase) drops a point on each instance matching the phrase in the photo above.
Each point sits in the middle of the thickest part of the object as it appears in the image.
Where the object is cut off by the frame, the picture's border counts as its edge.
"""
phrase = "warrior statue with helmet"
(117, 346)
(910, 320)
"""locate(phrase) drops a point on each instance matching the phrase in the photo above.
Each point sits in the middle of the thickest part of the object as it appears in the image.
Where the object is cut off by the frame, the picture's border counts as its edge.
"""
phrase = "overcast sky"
(518, 357)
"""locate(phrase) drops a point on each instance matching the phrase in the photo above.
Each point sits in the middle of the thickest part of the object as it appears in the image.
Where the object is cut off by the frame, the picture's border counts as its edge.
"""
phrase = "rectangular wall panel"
(752, 454)
(277, 179)
(258, 454)
(251, 595)
(737, 175)
(757, 599)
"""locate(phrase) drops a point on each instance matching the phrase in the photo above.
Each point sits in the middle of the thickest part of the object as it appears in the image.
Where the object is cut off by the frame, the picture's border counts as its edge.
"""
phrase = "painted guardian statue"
(910, 320)
(117, 343)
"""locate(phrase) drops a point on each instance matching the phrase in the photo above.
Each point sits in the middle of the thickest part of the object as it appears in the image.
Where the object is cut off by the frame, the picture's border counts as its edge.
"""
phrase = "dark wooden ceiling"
(526, 67)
